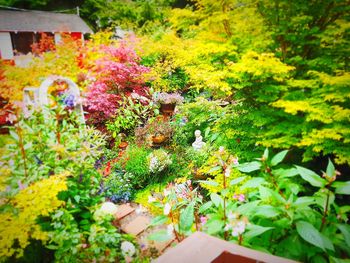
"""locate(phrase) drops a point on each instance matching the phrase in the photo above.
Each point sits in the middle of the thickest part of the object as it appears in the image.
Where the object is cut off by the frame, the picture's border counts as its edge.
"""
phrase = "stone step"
(123, 211)
(161, 246)
(136, 226)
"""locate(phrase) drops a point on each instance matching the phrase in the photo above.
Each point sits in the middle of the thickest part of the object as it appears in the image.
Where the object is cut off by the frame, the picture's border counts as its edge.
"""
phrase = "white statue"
(198, 143)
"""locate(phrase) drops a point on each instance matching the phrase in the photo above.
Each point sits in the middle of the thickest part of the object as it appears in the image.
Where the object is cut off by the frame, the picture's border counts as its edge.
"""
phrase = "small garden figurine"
(198, 143)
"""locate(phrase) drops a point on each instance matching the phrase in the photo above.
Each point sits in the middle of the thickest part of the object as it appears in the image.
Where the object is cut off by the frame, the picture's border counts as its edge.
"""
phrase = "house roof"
(40, 21)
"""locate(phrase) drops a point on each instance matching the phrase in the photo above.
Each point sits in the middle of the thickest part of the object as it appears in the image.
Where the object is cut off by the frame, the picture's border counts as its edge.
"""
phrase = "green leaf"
(253, 183)
(264, 193)
(342, 187)
(330, 168)
(28, 146)
(237, 180)
(14, 135)
(278, 158)
(52, 247)
(86, 214)
(255, 230)
(205, 207)
(267, 211)
(225, 192)
(304, 201)
(214, 226)
(84, 222)
(338, 260)
(327, 243)
(187, 218)
(249, 167)
(345, 230)
(311, 177)
(283, 173)
(216, 199)
(310, 234)
(159, 220)
(160, 236)
(248, 208)
(77, 198)
(214, 137)
(210, 183)
(214, 169)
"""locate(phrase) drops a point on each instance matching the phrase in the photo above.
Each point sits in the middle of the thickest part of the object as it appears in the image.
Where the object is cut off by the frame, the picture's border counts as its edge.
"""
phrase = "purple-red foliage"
(118, 72)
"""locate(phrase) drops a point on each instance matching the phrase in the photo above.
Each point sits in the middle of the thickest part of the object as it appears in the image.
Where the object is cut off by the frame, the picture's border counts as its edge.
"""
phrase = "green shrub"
(134, 161)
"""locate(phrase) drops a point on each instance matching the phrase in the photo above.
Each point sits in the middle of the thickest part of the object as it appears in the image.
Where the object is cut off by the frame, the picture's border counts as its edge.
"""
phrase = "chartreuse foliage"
(284, 66)
(322, 103)
(20, 225)
(42, 202)
(61, 62)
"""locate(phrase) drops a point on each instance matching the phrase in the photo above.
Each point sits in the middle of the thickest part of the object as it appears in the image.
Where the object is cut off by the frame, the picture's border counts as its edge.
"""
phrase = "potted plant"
(167, 102)
(155, 132)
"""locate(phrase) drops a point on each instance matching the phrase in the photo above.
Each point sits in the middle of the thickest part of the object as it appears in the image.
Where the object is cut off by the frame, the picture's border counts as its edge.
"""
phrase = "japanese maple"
(117, 72)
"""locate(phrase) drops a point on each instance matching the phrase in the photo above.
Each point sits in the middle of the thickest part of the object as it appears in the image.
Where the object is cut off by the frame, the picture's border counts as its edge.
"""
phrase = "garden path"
(135, 220)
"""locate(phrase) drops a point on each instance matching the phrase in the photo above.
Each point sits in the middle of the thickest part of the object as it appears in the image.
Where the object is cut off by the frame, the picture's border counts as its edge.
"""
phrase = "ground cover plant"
(265, 82)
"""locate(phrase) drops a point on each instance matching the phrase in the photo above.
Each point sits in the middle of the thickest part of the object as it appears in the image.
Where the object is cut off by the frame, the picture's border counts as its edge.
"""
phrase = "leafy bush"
(117, 186)
(130, 114)
(117, 72)
(202, 115)
(158, 161)
(288, 215)
(134, 161)
(42, 147)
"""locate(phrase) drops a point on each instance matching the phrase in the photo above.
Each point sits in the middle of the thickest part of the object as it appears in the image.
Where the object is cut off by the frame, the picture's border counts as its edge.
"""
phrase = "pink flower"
(240, 197)
(203, 220)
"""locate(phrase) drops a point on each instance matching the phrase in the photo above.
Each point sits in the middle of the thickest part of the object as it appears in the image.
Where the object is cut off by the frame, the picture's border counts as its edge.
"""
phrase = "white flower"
(221, 149)
(128, 249)
(227, 227)
(154, 164)
(167, 209)
(166, 192)
(170, 229)
(228, 172)
(151, 199)
(107, 208)
(235, 232)
(239, 228)
(158, 161)
(232, 216)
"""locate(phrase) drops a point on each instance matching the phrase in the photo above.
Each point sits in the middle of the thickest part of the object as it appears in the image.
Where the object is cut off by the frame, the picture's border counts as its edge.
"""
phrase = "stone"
(137, 226)
(123, 211)
(161, 246)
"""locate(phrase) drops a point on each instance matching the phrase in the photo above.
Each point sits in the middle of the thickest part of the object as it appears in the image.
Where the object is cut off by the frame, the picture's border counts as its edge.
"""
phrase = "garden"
(227, 117)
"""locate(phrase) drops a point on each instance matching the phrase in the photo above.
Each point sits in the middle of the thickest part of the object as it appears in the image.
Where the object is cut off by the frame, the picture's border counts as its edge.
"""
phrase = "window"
(22, 41)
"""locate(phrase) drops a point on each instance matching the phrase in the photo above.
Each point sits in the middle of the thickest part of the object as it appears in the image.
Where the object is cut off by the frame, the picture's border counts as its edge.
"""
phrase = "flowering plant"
(180, 202)
(158, 160)
(167, 98)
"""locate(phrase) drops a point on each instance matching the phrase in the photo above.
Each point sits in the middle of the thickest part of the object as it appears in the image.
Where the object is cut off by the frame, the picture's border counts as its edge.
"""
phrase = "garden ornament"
(198, 143)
